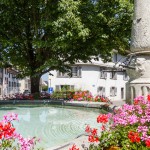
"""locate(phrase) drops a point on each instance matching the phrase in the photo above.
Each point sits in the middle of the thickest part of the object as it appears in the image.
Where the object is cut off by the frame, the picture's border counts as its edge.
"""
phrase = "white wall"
(90, 80)
(24, 84)
(9, 78)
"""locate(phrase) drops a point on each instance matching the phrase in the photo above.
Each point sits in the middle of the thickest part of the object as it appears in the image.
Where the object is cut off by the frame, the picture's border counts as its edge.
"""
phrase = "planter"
(114, 148)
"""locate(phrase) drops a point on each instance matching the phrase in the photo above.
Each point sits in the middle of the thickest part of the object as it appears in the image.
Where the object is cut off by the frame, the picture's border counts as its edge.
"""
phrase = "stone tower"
(140, 48)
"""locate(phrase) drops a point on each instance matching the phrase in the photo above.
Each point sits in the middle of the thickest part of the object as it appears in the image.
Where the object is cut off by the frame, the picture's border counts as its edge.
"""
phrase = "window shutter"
(58, 73)
(111, 75)
(79, 72)
(57, 87)
(71, 87)
(105, 75)
(115, 75)
(98, 90)
(111, 91)
(1, 81)
(115, 91)
(103, 91)
(74, 71)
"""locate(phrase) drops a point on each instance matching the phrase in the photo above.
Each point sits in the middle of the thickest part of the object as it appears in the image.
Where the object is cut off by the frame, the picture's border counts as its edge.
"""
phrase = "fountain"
(140, 50)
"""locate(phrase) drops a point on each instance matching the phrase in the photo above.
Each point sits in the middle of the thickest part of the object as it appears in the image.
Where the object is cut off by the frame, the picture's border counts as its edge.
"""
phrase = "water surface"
(54, 125)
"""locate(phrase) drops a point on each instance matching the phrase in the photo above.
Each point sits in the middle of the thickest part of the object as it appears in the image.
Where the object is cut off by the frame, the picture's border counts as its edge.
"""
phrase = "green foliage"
(109, 23)
(8, 144)
(44, 87)
(64, 94)
(38, 36)
(36, 95)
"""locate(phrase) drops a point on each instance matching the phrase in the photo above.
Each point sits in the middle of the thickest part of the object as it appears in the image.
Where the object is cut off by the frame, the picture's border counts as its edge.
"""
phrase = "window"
(13, 76)
(19, 84)
(103, 73)
(101, 91)
(9, 84)
(75, 73)
(14, 84)
(64, 87)
(5, 80)
(125, 76)
(113, 75)
(122, 93)
(1, 81)
(1, 70)
(113, 91)
(63, 75)
(5, 71)
(71, 87)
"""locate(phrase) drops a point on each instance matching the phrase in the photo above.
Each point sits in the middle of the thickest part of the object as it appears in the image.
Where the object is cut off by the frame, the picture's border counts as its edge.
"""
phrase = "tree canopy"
(37, 36)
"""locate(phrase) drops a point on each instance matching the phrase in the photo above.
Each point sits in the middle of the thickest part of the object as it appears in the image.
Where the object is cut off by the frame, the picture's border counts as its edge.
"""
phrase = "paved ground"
(83, 140)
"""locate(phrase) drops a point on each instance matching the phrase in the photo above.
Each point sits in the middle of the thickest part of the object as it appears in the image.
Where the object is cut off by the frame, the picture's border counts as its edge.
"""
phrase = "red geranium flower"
(94, 131)
(147, 142)
(134, 136)
(148, 97)
(103, 127)
(93, 138)
(102, 118)
(73, 147)
(88, 129)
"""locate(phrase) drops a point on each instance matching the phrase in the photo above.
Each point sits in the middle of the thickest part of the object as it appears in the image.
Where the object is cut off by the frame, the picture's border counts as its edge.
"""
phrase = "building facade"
(8, 82)
(97, 77)
(24, 85)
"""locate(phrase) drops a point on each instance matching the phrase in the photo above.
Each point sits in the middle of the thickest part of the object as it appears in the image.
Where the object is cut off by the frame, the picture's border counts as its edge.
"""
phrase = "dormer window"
(75, 73)
(113, 75)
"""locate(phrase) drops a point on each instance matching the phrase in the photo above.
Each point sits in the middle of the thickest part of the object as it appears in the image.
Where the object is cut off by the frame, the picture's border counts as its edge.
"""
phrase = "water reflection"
(25, 117)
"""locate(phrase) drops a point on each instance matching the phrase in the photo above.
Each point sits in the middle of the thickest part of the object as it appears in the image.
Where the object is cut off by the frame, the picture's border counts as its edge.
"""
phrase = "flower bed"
(127, 129)
(87, 96)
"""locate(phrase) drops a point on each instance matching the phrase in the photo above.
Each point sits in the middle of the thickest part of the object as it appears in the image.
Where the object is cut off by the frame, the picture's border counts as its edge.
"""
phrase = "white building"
(24, 85)
(97, 77)
(8, 82)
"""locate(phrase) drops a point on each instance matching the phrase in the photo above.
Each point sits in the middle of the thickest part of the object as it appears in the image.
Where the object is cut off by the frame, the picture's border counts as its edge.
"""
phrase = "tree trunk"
(35, 83)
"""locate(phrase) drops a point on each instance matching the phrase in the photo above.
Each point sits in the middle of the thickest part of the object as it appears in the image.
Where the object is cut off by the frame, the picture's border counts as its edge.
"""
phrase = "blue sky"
(45, 77)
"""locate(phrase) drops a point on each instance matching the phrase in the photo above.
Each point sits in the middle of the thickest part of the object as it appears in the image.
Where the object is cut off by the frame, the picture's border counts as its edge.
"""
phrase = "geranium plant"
(83, 96)
(87, 96)
(10, 139)
(127, 129)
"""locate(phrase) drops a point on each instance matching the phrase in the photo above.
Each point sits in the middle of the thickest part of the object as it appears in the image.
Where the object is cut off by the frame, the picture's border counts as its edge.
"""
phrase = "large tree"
(37, 36)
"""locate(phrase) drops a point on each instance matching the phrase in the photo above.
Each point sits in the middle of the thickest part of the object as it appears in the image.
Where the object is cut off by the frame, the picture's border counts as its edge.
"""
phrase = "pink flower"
(10, 117)
(132, 119)
(142, 129)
